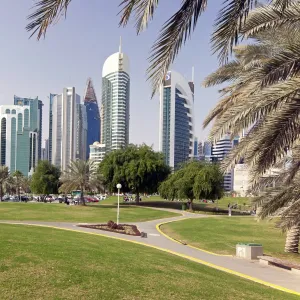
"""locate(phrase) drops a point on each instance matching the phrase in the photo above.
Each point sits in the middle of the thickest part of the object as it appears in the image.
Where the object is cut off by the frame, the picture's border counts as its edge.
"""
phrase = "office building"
(51, 97)
(115, 101)
(64, 127)
(81, 131)
(176, 124)
(36, 117)
(93, 116)
(219, 150)
(241, 179)
(47, 149)
(18, 143)
(196, 153)
(97, 153)
(207, 148)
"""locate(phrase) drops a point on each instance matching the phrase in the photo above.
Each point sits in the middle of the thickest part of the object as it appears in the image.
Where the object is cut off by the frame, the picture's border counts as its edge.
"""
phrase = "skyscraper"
(176, 123)
(81, 131)
(36, 117)
(50, 127)
(115, 101)
(64, 127)
(219, 151)
(93, 116)
(18, 143)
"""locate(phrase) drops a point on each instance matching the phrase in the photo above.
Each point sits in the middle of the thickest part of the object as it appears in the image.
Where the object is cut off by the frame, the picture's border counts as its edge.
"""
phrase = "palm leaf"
(47, 12)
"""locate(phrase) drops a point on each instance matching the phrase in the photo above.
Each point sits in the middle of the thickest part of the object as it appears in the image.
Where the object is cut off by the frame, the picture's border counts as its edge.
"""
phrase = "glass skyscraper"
(36, 117)
(115, 102)
(176, 125)
(93, 116)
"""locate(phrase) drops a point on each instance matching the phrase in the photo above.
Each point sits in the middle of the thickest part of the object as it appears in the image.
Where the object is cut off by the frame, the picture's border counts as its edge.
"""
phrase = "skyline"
(76, 48)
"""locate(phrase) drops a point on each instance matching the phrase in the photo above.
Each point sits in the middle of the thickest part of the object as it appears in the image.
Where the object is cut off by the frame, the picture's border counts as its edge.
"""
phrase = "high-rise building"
(115, 101)
(176, 124)
(50, 126)
(81, 131)
(36, 117)
(64, 127)
(200, 149)
(93, 116)
(219, 151)
(196, 153)
(97, 153)
(47, 149)
(18, 143)
(207, 148)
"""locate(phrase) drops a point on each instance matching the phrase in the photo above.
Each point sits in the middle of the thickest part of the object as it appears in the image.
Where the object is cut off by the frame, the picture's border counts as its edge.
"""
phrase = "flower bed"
(113, 227)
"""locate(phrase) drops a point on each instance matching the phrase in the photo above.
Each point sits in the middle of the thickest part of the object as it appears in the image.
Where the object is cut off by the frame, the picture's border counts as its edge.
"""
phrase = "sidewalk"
(267, 275)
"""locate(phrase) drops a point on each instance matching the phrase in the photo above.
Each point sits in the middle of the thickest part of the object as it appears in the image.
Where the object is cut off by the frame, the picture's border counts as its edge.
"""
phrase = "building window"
(20, 122)
(13, 111)
(3, 141)
(7, 111)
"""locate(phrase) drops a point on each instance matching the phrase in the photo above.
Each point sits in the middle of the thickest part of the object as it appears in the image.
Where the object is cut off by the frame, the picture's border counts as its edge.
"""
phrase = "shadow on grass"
(123, 205)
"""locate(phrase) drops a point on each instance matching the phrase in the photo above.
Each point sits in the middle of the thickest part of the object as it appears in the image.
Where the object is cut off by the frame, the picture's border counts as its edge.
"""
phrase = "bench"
(269, 260)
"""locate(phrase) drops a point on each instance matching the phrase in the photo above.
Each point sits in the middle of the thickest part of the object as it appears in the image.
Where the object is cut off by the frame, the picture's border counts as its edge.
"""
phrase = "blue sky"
(76, 48)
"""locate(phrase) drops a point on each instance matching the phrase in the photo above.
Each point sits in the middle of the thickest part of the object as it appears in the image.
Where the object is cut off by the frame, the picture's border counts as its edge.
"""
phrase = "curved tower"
(93, 116)
(176, 122)
(115, 101)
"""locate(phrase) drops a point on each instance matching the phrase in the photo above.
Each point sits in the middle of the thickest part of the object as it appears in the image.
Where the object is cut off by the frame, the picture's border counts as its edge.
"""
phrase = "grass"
(220, 235)
(114, 199)
(45, 263)
(73, 213)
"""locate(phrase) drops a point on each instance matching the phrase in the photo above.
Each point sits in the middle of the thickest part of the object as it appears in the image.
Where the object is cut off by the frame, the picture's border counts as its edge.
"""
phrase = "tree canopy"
(195, 180)
(138, 168)
(45, 179)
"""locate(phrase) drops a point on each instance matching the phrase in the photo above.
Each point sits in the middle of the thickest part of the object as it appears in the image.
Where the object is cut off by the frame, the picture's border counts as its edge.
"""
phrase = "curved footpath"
(267, 275)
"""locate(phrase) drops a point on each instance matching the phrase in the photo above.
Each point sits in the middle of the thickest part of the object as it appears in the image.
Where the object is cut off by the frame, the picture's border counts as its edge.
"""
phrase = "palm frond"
(47, 12)
(173, 35)
(270, 16)
(282, 4)
(144, 11)
(228, 24)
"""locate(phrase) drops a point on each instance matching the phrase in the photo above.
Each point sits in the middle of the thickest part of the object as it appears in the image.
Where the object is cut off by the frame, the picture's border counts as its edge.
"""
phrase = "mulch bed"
(122, 228)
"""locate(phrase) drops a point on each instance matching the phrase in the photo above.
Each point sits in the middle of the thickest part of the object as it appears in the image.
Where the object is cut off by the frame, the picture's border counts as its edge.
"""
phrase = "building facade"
(93, 116)
(219, 150)
(36, 117)
(176, 122)
(81, 131)
(115, 102)
(97, 153)
(18, 144)
(64, 127)
(241, 179)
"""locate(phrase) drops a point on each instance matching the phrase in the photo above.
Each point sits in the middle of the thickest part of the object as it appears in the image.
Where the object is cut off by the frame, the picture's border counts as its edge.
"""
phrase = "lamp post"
(119, 186)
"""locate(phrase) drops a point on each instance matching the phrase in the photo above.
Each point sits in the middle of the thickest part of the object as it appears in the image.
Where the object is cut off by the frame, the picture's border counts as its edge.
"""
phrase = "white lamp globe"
(119, 186)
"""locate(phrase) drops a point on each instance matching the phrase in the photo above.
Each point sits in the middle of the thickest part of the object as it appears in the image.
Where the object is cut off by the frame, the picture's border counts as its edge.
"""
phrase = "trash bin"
(183, 206)
(249, 250)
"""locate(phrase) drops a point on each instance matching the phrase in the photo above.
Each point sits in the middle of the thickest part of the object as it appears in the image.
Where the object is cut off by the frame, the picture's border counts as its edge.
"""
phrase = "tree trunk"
(191, 205)
(81, 197)
(292, 239)
(137, 199)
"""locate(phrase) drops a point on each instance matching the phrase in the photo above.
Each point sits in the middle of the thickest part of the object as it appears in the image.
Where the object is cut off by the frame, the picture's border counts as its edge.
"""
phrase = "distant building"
(19, 141)
(44, 154)
(92, 115)
(97, 152)
(219, 151)
(200, 148)
(36, 117)
(81, 132)
(207, 148)
(241, 179)
(195, 152)
(176, 124)
(47, 149)
(115, 101)
(51, 97)
(64, 127)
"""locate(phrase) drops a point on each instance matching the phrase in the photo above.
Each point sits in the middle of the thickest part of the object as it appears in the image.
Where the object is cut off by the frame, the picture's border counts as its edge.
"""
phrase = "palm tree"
(79, 175)
(4, 177)
(263, 92)
(18, 177)
(175, 31)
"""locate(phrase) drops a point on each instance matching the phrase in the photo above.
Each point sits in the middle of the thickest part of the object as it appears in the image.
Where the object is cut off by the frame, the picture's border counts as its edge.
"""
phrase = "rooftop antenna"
(193, 74)
(120, 46)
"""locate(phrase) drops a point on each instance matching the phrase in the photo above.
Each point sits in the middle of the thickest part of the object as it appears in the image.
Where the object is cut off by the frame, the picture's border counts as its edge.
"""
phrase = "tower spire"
(120, 46)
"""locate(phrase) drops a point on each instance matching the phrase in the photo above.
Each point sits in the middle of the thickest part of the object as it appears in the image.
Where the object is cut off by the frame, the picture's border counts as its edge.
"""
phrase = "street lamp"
(119, 186)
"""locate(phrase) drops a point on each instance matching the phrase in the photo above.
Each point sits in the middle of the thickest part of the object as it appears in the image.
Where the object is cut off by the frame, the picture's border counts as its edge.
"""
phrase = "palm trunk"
(292, 239)
(81, 197)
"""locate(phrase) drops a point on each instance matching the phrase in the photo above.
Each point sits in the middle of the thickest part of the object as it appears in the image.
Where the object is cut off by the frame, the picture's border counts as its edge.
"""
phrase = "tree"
(138, 168)
(79, 175)
(45, 179)
(195, 180)
(18, 177)
(263, 94)
(4, 178)
(175, 31)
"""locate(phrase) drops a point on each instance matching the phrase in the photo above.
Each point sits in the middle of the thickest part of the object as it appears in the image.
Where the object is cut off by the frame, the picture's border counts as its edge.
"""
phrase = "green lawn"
(44, 263)
(72, 213)
(114, 199)
(220, 235)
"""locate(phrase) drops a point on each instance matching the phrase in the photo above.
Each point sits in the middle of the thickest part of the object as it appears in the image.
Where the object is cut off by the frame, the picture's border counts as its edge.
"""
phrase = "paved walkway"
(252, 270)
